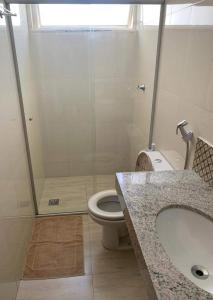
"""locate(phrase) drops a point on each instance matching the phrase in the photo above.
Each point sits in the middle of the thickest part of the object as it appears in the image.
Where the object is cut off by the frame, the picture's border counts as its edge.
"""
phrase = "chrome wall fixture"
(6, 12)
(141, 87)
(187, 136)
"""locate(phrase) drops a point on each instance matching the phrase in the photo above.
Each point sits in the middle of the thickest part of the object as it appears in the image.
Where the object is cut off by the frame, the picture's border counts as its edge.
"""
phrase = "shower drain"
(53, 202)
(200, 272)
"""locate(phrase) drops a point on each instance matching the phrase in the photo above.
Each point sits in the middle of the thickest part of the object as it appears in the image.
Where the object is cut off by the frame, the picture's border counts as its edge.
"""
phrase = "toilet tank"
(152, 161)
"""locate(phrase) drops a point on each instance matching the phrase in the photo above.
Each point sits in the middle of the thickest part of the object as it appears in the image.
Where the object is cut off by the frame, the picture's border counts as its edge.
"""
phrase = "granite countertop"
(145, 194)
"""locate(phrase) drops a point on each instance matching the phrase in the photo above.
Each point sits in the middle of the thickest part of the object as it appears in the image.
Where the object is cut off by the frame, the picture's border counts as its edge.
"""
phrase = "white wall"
(86, 83)
(16, 211)
(186, 78)
(30, 99)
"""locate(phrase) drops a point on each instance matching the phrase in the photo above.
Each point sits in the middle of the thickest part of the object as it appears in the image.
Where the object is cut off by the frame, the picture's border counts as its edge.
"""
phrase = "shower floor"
(73, 192)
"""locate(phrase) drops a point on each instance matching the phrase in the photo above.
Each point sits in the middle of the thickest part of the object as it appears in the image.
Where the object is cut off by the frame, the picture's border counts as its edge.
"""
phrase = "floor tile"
(109, 275)
(73, 288)
(73, 192)
(119, 286)
(88, 265)
(115, 261)
(86, 234)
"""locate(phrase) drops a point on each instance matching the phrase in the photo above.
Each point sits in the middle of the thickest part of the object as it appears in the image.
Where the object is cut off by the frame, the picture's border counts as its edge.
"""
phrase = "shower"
(78, 68)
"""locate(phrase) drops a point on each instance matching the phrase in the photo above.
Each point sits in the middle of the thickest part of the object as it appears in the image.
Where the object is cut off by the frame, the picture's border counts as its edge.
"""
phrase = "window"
(150, 14)
(81, 15)
(14, 8)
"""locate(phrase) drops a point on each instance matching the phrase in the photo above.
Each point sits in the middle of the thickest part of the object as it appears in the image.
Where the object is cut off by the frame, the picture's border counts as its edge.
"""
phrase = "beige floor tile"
(87, 246)
(73, 288)
(119, 286)
(96, 238)
(88, 265)
(86, 233)
(112, 275)
(98, 249)
(115, 261)
(73, 192)
(109, 275)
(105, 179)
(106, 261)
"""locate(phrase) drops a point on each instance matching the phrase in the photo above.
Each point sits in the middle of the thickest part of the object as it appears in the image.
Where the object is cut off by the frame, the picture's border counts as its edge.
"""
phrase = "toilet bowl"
(104, 207)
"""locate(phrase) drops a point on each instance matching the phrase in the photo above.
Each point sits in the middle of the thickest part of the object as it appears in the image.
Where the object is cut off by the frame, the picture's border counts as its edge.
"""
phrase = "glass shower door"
(85, 117)
(16, 202)
(57, 92)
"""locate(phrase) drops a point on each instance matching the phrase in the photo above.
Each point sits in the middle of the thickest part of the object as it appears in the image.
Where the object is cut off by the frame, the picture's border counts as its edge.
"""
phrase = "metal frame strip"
(85, 1)
(157, 67)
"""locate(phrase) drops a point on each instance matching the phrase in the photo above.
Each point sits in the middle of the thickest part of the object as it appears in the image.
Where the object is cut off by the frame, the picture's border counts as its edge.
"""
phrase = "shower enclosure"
(84, 115)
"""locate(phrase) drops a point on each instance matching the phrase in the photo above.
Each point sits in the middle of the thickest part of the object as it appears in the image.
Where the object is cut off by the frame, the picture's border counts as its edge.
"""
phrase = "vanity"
(169, 217)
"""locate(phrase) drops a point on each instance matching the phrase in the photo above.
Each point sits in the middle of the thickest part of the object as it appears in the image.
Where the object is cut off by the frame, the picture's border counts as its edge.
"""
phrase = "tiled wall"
(186, 78)
(86, 83)
(16, 203)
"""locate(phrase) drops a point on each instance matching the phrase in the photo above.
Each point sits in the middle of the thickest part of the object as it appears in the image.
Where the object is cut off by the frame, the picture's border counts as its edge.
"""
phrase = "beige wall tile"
(185, 82)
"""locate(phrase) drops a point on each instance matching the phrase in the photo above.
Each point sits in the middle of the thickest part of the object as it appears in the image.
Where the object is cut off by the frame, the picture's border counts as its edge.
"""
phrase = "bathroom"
(84, 89)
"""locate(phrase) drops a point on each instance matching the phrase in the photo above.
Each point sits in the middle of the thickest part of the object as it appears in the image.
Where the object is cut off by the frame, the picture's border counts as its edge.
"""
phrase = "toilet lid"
(101, 205)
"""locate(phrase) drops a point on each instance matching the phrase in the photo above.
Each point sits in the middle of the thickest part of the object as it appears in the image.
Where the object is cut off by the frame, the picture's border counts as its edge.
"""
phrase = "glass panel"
(16, 204)
(8, 98)
(86, 119)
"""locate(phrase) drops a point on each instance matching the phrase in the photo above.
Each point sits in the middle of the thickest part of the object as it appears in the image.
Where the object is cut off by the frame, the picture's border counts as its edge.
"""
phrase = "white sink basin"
(187, 238)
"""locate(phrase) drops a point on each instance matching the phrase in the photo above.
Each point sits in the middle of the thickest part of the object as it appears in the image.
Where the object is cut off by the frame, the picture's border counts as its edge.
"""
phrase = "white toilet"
(104, 207)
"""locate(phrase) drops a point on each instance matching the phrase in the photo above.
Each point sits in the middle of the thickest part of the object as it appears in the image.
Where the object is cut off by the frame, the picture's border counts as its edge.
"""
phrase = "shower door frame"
(9, 24)
(84, 2)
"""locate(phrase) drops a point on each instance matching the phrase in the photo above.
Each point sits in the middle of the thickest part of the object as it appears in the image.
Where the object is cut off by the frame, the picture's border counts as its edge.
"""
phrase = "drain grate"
(199, 272)
(53, 202)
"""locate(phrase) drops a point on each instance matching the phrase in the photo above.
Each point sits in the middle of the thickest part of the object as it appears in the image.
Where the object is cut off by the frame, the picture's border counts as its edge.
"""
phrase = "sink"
(187, 237)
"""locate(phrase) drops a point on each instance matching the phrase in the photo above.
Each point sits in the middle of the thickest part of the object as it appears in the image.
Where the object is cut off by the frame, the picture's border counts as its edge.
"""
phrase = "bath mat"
(56, 249)
(203, 160)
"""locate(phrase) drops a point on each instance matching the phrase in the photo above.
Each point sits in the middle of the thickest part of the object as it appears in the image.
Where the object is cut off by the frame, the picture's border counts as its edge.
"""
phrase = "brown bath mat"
(56, 249)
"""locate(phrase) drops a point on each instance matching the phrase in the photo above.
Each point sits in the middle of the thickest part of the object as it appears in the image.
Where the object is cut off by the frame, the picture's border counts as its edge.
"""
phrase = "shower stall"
(80, 69)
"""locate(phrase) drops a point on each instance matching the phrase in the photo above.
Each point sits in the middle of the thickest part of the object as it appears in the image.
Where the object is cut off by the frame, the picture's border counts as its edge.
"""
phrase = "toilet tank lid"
(158, 161)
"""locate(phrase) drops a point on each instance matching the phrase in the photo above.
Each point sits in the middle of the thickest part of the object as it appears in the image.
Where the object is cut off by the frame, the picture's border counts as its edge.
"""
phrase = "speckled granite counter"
(143, 195)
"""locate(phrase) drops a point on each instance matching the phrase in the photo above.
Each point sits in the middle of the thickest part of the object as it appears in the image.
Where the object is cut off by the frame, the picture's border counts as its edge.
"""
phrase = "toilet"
(104, 207)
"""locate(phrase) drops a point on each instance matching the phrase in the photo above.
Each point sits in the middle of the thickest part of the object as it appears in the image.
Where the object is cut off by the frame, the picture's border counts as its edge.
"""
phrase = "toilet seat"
(100, 213)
